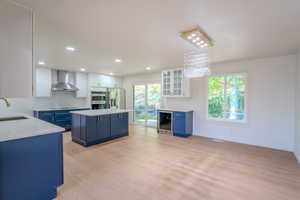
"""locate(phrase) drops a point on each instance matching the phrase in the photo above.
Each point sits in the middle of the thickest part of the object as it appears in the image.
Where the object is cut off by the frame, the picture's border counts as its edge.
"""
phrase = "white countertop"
(60, 108)
(18, 129)
(100, 112)
(176, 109)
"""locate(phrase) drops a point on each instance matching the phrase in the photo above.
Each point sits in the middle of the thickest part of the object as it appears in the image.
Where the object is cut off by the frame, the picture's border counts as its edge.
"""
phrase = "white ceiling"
(146, 32)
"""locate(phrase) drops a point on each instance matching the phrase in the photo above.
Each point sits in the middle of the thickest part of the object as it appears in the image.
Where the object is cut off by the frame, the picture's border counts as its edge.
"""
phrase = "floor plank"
(161, 167)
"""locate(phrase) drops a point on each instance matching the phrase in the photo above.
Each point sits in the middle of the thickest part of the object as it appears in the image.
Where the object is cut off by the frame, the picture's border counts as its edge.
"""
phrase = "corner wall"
(297, 114)
(270, 103)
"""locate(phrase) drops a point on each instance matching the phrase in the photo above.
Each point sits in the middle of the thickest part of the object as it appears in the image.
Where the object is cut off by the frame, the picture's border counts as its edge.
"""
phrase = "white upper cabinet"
(100, 80)
(174, 84)
(81, 82)
(43, 82)
(15, 51)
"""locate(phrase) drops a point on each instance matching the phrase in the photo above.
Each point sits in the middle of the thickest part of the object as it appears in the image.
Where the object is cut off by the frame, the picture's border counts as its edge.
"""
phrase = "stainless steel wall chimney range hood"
(65, 81)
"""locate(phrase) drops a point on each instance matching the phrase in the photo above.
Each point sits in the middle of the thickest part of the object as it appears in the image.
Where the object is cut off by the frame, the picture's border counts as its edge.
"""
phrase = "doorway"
(146, 102)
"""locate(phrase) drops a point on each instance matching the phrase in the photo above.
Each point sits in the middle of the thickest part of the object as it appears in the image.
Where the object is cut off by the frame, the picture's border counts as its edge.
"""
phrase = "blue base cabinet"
(90, 130)
(182, 124)
(119, 124)
(62, 118)
(31, 168)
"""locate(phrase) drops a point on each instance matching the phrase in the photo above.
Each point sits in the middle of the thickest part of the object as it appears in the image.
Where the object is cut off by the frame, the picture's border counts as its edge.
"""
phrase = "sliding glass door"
(140, 104)
(146, 102)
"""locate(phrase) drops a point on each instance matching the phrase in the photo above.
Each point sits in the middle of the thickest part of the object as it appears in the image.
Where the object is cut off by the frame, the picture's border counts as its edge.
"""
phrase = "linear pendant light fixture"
(197, 38)
(196, 63)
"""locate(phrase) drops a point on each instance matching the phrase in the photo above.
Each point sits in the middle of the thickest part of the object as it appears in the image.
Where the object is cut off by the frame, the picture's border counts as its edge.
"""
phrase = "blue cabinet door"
(124, 123)
(97, 128)
(76, 126)
(103, 127)
(62, 116)
(89, 129)
(183, 124)
(179, 125)
(46, 116)
(119, 124)
(31, 168)
(115, 125)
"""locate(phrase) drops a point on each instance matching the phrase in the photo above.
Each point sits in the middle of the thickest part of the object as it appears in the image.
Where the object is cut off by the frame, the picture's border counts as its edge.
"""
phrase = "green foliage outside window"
(226, 97)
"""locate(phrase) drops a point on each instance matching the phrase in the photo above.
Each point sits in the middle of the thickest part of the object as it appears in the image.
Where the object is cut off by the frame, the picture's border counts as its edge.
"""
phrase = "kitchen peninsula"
(31, 158)
(91, 127)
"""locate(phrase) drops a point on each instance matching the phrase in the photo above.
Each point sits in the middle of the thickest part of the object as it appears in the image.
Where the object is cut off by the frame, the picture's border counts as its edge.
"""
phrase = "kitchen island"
(91, 127)
(31, 158)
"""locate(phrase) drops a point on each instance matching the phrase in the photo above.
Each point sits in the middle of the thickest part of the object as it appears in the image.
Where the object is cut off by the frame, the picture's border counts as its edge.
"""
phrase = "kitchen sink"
(12, 118)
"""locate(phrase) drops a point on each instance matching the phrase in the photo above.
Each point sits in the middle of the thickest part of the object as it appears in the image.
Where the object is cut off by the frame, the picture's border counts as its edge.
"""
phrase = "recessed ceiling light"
(69, 48)
(111, 73)
(148, 68)
(118, 60)
(82, 69)
(42, 63)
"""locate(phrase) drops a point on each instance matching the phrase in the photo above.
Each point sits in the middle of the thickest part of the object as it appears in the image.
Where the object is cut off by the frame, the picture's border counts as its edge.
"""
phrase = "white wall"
(297, 114)
(270, 103)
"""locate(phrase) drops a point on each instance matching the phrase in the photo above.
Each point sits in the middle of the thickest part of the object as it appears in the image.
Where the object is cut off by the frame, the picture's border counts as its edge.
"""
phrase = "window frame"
(225, 75)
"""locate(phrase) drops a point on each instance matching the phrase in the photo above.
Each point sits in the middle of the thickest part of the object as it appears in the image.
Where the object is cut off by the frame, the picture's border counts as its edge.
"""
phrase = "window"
(226, 97)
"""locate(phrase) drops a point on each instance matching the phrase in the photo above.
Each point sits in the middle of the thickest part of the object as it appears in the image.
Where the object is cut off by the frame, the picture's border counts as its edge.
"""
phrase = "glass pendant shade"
(196, 64)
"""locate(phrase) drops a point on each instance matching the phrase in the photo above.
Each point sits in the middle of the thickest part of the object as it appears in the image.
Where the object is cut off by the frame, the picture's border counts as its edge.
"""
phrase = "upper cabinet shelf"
(174, 84)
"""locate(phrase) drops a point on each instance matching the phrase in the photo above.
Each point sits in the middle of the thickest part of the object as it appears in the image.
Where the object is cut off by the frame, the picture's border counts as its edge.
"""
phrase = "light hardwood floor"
(145, 166)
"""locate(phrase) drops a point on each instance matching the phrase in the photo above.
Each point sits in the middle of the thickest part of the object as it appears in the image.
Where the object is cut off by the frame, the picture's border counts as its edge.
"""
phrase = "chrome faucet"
(6, 101)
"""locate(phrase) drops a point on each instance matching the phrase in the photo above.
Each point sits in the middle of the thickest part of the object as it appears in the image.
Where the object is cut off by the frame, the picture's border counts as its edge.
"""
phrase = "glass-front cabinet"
(166, 83)
(174, 84)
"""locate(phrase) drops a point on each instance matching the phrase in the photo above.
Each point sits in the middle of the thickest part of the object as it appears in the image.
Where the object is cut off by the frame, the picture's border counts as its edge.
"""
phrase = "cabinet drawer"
(119, 116)
(46, 116)
(63, 116)
(179, 115)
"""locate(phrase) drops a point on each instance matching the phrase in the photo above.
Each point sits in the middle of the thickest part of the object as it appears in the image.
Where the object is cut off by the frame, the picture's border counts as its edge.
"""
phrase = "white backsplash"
(58, 99)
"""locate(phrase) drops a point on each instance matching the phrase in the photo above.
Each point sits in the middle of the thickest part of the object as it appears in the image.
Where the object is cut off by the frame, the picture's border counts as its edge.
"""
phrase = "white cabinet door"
(178, 83)
(174, 84)
(43, 82)
(15, 51)
(166, 83)
(82, 85)
(100, 80)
